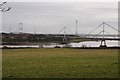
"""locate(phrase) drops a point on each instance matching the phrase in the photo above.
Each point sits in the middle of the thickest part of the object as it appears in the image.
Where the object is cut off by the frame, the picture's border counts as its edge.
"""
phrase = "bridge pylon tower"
(65, 39)
(103, 31)
(103, 42)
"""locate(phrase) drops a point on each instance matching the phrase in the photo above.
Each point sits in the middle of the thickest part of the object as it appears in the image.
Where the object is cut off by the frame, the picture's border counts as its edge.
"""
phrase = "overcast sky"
(51, 17)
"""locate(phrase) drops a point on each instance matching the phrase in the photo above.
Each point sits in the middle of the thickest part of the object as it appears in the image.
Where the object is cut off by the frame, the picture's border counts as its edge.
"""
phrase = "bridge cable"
(110, 34)
(99, 33)
(69, 30)
(105, 32)
(61, 30)
(112, 27)
(94, 29)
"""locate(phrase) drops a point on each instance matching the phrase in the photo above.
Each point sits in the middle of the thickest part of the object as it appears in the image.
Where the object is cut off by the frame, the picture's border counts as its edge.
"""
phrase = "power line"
(2, 8)
(94, 29)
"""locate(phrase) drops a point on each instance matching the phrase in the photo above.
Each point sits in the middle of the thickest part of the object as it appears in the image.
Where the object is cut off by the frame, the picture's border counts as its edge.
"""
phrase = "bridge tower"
(64, 37)
(103, 31)
(65, 40)
(103, 42)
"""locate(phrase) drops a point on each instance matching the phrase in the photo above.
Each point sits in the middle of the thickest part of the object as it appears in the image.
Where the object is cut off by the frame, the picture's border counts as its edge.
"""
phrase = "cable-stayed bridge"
(63, 37)
(102, 35)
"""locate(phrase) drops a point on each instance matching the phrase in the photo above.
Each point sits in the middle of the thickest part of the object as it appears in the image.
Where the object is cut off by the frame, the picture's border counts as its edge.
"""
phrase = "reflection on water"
(95, 43)
(86, 43)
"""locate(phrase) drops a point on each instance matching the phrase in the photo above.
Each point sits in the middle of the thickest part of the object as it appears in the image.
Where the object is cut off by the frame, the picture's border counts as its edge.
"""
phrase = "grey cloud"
(50, 17)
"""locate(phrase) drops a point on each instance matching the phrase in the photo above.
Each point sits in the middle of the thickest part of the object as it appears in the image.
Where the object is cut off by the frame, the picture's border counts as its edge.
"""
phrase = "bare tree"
(2, 8)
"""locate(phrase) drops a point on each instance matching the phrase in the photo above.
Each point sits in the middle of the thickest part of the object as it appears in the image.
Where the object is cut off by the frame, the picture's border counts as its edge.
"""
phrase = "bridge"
(101, 36)
(62, 37)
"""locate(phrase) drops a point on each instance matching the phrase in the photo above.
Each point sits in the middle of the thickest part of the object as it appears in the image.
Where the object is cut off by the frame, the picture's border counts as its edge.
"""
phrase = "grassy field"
(60, 63)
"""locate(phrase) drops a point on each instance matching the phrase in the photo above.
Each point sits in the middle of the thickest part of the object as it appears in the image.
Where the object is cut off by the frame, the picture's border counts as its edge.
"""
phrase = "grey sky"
(51, 17)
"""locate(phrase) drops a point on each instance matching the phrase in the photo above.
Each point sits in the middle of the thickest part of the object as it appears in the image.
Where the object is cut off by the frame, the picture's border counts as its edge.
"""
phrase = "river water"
(95, 43)
(85, 43)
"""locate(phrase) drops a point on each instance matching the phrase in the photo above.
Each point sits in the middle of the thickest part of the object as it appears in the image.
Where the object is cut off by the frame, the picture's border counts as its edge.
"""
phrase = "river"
(85, 43)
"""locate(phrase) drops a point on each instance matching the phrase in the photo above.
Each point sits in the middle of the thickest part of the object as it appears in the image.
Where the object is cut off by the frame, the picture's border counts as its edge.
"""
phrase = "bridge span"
(26, 38)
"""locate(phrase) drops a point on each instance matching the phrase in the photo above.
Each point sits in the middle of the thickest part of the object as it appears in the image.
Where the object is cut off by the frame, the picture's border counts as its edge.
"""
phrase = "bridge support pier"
(103, 43)
(67, 45)
(40, 45)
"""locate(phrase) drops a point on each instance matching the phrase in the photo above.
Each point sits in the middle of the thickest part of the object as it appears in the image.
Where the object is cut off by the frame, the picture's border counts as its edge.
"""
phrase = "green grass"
(60, 63)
